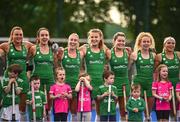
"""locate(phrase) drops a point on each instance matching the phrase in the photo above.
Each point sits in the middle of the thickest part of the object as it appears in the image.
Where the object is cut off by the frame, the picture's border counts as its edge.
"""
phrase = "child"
(161, 90)
(84, 89)
(178, 100)
(135, 105)
(39, 98)
(7, 111)
(60, 92)
(107, 97)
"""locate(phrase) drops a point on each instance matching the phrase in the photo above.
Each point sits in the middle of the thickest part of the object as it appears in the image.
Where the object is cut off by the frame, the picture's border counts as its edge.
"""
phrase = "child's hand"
(58, 96)
(112, 93)
(135, 109)
(12, 80)
(82, 79)
(106, 94)
(64, 95)
(167, 99)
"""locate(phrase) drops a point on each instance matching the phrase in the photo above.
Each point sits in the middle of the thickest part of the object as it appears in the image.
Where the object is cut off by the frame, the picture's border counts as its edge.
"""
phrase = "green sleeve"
(142, 107)
(128, 105)
(43, 98)
(20, 84)
(99, 92)
(4, 84)
(28, 96)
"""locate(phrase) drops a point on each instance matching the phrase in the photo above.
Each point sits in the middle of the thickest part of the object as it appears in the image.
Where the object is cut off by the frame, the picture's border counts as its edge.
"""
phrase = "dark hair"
(107, 73)
(35, 77)
(16, 68)
(135, 87)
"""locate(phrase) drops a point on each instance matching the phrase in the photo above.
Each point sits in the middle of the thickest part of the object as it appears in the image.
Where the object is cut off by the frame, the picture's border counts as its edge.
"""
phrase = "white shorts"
(7, 113)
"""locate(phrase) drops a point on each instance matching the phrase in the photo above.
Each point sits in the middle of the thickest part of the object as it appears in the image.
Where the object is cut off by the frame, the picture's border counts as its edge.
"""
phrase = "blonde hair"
(166, 39)
(158, 71)
(12, 31)
(38, 34)
(139, 38)
(95, 30)
(58, 69)
(75, 35)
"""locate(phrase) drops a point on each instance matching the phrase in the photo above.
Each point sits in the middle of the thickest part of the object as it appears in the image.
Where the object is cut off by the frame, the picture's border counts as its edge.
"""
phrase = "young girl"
(39, 98)
(161, 90)
(178, 100)
(7, 105)
(135, 104)
(84, 89)
(60, 92)
(103, 95)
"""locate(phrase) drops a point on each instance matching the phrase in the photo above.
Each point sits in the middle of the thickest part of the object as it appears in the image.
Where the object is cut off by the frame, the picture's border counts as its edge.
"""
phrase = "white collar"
(136, 99)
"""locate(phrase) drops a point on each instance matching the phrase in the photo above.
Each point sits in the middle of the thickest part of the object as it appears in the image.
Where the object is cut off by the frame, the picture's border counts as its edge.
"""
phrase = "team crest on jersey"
(88, 52)
(139, 103)
(11, 50)
(151, 61)
(177, 61)
(101, 56)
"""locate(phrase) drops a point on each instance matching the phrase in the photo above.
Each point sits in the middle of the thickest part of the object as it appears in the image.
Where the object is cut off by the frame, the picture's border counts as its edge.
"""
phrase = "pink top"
(178, 90)
(60, 104)
(86, 100)
(163, 90)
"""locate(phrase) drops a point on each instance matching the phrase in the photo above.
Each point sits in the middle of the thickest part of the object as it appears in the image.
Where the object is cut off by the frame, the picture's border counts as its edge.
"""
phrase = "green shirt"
(40, 100)
(72, 68)
(144, 67)
(173, 67)
(43, 65)
(7, 97)
(119, 65)
(18, 57)
(95, 66)
(135, 103)
(104, 101)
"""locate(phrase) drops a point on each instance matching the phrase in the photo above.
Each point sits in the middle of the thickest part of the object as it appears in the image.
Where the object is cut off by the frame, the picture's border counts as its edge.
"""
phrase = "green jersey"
(72, 68)
(7, 97)
(40, 100)
(95, 66)
(104, 101)
(135, 103)
(43, 67)
(119, 65)
(18, 57)
(173, 67)
(144, 76)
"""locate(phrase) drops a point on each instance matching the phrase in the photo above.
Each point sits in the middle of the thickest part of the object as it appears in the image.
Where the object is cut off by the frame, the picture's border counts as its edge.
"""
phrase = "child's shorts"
(7, 113)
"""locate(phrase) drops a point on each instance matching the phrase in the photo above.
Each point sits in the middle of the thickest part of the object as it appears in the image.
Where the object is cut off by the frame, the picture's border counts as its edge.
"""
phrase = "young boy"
(8, 84)
(39, 98)
(107, 94)
(135, 105)
(84, 89)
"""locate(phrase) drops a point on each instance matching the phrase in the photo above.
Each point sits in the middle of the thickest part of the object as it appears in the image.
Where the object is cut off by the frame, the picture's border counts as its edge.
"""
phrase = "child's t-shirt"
(104, 102)
(60, 104)
(40, 100)
(7, 97)
(162, 90)
(86, 99)
(178, 90)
